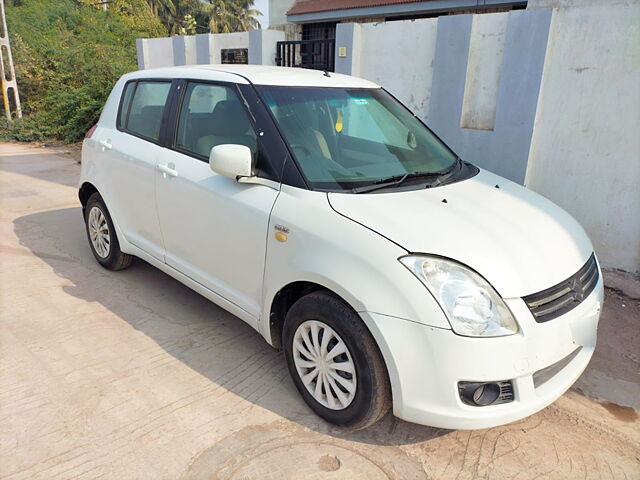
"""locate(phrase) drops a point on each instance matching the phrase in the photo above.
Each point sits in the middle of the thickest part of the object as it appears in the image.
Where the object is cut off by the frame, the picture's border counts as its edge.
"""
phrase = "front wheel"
(335, 362)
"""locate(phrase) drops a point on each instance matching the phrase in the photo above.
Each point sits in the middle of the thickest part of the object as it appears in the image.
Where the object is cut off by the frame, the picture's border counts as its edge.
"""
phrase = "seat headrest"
(231, 118)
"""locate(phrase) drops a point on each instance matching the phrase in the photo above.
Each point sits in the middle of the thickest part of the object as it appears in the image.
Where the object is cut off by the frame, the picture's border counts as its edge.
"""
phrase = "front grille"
(559, 299)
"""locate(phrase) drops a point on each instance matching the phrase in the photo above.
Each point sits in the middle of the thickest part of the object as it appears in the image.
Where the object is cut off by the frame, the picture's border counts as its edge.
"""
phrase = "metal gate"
(316, 54)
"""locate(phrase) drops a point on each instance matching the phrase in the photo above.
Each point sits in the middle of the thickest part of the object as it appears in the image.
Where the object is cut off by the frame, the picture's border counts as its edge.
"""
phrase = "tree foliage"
(67, 57)
(204, 16)
(69, 53)
(232, 16)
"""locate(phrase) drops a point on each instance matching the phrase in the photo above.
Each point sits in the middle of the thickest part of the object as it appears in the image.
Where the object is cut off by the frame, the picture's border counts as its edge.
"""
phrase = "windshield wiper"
(396, 180)
(382, 183)
(446, 174)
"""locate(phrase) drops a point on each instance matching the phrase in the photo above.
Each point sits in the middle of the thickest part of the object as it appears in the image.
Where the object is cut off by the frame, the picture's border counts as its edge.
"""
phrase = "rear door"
(214, 228)
(133, 150)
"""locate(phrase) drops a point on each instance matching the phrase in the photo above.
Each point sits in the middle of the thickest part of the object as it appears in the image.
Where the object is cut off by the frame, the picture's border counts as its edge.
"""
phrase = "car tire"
(359, 399)
(102, 235)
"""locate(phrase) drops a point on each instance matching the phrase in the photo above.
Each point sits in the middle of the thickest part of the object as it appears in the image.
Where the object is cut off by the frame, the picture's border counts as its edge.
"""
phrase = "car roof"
(258, 74)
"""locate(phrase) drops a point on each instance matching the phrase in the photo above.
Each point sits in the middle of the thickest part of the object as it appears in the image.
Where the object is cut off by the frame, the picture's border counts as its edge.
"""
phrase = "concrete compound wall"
(473, 78)
(486, 81)
(206, 48)
(385, 62)
(585, 151)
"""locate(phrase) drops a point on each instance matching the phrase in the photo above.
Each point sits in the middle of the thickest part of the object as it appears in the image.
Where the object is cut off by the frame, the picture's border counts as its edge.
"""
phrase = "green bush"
(25, 129)
(67, 57)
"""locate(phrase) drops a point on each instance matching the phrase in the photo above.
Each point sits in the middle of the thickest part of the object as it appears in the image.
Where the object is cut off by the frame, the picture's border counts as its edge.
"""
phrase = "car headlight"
(473, 307)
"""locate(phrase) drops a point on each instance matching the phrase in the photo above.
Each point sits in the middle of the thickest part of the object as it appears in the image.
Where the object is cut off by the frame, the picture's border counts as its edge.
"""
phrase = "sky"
(263, 6)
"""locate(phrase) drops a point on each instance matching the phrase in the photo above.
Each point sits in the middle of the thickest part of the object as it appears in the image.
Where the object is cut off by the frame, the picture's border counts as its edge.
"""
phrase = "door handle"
(105, 144)
(167, 170)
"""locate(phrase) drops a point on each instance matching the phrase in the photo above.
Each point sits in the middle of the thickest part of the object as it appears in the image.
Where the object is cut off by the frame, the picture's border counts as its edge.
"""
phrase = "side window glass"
(124, 105)
(213, 115)
(147, 106)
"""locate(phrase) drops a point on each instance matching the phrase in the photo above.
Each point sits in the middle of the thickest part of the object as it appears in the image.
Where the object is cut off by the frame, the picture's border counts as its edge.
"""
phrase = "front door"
(214, 228)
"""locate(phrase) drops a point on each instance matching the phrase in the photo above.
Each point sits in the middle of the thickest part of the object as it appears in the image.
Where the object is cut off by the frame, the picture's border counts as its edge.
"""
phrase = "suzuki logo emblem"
(576, 288)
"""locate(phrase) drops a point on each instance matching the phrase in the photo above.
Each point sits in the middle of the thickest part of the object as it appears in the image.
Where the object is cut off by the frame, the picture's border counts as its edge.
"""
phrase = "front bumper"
(425, 364)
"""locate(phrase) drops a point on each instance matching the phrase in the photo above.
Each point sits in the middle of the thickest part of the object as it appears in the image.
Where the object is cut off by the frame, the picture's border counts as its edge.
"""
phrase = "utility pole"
(105, 4)
(7, 72)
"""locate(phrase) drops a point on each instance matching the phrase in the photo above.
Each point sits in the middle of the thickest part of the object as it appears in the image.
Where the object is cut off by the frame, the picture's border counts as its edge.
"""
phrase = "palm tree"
(221, 16)
(246, 15)
(165, 10)
(162, 7)
(222, 19)
(232, 16)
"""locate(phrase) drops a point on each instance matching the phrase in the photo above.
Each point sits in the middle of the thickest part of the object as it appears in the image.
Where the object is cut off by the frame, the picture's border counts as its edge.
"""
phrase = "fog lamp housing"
(483, 394)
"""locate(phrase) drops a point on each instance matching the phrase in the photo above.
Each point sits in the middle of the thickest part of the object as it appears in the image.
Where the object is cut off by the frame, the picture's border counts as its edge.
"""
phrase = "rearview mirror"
(231, 160)
(411, 140)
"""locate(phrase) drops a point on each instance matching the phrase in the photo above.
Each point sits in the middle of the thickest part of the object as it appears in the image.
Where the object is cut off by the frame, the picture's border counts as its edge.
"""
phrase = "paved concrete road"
(132, 375)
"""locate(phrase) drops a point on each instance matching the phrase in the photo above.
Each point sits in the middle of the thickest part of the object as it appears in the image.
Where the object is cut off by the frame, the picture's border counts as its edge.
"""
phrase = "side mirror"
(231, 160)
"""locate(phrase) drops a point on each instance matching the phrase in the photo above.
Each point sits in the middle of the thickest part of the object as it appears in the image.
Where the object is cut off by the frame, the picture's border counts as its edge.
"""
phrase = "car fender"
(308, 241)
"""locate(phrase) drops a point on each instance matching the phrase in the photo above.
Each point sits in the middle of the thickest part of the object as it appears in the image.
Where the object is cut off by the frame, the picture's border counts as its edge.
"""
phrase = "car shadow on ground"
(189, 327)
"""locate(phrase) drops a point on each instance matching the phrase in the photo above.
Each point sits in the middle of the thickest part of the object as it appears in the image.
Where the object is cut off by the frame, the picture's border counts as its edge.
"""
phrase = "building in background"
(301, 12)
(310, 25)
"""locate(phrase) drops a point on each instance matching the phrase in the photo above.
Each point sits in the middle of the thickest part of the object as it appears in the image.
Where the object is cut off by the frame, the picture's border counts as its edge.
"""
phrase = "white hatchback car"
(319, 210)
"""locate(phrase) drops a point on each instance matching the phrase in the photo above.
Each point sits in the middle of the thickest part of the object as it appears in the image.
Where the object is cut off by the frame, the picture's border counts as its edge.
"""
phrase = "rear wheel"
(335, 362)
(102, 235)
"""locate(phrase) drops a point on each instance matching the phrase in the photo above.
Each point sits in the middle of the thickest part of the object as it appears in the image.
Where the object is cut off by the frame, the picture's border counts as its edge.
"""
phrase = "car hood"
(519, 241)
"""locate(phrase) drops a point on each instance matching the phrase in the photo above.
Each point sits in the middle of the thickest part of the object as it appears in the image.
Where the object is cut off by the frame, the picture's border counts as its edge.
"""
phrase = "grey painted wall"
(203, 48)
(391, 55)
(345, 38)
(505, 149)
(179, 54)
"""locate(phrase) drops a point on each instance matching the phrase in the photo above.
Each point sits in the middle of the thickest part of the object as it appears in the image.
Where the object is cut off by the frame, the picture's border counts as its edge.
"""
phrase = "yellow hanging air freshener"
(339, 122)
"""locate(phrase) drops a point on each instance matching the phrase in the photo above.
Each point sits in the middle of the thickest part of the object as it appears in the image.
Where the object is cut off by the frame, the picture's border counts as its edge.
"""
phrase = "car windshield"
(348, 138)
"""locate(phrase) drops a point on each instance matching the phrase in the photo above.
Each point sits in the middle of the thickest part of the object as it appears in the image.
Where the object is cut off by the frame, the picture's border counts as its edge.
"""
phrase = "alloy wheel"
(99, 232)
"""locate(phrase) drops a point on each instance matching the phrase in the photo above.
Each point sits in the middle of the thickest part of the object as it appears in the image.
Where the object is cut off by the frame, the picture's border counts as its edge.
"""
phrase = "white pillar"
(349, 43)
(205, 48)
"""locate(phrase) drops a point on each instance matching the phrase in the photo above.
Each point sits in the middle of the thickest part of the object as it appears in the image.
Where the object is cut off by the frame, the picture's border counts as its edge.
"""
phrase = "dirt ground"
(130, 375)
